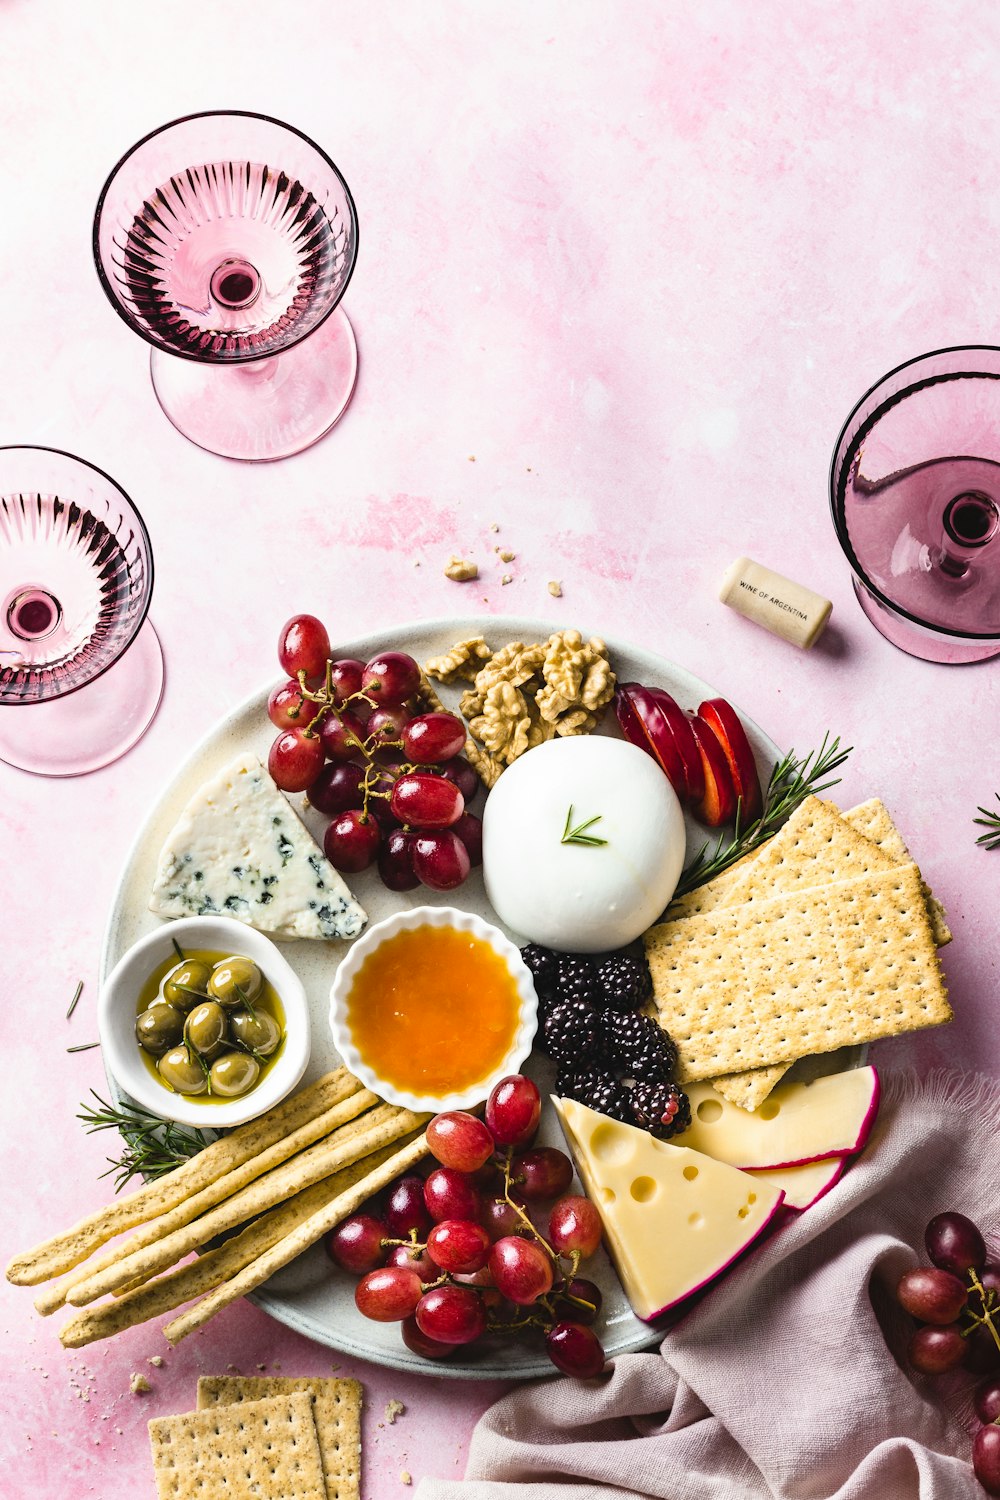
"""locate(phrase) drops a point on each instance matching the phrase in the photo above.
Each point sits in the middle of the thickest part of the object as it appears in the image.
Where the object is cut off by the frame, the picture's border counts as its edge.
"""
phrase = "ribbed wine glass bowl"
(226, 240)
(915, 493)
(80, 668)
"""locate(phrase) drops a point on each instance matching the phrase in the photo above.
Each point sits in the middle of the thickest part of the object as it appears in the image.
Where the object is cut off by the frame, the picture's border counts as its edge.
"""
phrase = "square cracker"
(774, 980)
(254, 1451)
(336, 1412)
(872, 819)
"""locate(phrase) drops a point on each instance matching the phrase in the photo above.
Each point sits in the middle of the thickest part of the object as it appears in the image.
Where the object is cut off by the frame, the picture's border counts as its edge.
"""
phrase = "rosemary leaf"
(793, 779)
(84, 1047)
(579, 834)
(76, 996)
(153, 1146)
(991, 822)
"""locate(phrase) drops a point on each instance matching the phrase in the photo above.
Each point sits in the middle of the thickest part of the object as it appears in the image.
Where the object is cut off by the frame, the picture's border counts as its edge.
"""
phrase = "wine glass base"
(928, 645)
(268, 408)
(93, 726)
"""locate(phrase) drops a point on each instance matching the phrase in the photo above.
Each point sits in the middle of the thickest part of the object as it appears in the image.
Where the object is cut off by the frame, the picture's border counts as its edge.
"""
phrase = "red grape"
(345, 679)
(465, 777)
(405, 1208)
(987, 1400)
(574, 1225)
(501, 1218)
(341, 738)
(982, 1357)
(459, 1140)
(986, 1458)
(513, 1109)
(295, 760)
(388, 1295)
(337, 789)
(451, 1315)
(391, 678)
(420, 1344)
(304, 646)
(934, 1350)
(430, 738)
(521, 1269)
(954, 1243)
(351, 841)
(469, 829)
(458, 1245)
(380, 784)
(575, 1350)
(580, 1300)
(356, 1244)
(426, 801)
(450, 1195)
(395, 861)
(385, 725)
(440, 859)
(542, 1173)
(287, 709)
(416, 1258)
(932, 1295)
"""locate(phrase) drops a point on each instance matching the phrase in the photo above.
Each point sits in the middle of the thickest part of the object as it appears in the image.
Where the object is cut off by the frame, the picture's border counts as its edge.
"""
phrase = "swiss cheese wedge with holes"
(773, 980)
(673, 1219)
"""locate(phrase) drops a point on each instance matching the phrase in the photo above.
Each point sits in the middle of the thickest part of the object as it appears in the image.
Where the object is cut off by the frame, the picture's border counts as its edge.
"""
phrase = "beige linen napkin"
(780, 1384)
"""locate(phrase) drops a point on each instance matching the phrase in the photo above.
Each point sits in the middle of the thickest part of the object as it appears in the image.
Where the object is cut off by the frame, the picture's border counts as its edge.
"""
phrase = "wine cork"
(782, 606)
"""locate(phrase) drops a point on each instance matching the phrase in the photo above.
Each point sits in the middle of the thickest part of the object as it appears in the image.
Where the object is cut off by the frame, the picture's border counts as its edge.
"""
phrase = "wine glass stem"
(261, 371)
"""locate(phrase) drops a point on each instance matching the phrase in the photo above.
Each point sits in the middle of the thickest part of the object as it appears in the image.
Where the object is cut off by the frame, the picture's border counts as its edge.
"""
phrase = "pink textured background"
(638, 262)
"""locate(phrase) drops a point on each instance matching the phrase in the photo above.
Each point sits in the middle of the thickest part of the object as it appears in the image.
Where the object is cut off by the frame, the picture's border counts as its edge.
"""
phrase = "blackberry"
(598, 1091)
(542, 963)
(623, 982)
(571, 1032)
(575, 977)
(643, 1049)
(661, 1108)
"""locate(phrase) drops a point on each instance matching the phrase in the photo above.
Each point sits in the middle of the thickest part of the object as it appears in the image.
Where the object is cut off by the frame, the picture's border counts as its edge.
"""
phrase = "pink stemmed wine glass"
(227, 240)
(915, 493)
(81, 671)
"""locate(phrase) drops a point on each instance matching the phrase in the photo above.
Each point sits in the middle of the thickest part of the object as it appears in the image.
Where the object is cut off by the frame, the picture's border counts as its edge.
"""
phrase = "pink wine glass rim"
(140, 618)
(209, 114)
(837, 470)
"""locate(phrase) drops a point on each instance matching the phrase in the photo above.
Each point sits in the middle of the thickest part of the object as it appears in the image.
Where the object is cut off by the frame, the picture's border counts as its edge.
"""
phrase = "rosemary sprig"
(579, 834)
(152, 1146)
(991, 822)
(793, 779)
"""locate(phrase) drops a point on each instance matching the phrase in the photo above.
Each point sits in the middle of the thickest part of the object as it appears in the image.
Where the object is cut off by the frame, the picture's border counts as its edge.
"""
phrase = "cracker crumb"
(262, 1367)
(555, 588)
(494, 526)
(507, 578)
(139, 1385)
(416, 562)
(507, 556)
(155, 1359)
(393, 1409)
(472, 458)
(460, 570)
(405, 1477)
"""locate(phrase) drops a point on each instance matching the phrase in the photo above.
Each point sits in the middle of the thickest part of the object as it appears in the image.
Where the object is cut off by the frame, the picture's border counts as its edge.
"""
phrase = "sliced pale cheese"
(797, 1122)
(803, 1186)
(673, 1218)
(238, 849)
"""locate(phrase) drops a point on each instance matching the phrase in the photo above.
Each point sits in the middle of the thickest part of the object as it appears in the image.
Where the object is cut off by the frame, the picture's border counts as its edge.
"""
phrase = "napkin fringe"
(975, 1094)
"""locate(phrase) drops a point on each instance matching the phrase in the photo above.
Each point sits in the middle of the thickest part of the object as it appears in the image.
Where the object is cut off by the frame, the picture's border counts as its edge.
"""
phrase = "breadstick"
(64, 1251)
(299, 1239)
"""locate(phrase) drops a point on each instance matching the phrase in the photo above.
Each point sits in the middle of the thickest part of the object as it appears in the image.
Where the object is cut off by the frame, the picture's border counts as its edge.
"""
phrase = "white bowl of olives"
(203, 1021)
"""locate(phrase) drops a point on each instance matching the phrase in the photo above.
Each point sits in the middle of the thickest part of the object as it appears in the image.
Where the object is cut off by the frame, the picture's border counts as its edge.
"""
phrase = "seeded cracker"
(771, 981)
(254, 1451)
(336, 1412)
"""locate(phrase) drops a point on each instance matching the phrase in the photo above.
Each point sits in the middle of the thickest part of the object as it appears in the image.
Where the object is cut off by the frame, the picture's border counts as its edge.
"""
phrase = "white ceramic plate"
(309, 1295)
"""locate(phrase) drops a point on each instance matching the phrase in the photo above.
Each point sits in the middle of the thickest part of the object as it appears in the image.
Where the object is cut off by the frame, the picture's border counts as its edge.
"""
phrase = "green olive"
(235, 980)
(260, 1031)
(189, 975)
(182, 1072)
(206, 1028)
(234, 1074)
(159, 1028)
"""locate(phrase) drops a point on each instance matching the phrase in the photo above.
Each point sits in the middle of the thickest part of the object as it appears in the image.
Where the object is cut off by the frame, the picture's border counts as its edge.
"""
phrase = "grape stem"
(505, 1162)
(988, 1302)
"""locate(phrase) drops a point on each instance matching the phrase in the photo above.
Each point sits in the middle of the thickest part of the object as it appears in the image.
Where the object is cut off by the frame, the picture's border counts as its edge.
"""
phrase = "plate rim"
(392, 637)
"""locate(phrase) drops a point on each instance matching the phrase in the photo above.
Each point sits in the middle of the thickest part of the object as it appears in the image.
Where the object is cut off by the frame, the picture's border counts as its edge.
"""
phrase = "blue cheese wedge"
(238, 850)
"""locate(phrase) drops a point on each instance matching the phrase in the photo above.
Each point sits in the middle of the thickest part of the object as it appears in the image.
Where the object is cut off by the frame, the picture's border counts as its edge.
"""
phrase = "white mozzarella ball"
(575, 896)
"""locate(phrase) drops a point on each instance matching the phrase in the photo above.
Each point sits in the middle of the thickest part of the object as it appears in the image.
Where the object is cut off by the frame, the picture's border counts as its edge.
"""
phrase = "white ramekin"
(116, 1015)
(462, 921)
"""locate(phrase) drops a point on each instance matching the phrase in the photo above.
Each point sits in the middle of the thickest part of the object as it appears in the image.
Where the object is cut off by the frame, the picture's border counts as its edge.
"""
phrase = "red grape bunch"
(957, 1302)
(390, 777)
(456, 1256)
